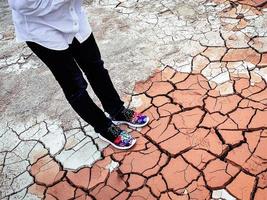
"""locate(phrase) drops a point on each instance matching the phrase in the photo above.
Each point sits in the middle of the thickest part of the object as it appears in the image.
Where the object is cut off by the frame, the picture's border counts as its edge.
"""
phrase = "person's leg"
(70, 78)
(88, 57)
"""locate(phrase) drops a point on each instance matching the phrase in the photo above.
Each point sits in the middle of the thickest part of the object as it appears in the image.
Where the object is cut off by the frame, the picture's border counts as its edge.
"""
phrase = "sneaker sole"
(130, 124)
(117, 147)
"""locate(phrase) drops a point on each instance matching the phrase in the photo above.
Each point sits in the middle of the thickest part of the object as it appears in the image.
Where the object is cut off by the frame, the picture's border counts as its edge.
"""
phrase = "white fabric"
(50, 23)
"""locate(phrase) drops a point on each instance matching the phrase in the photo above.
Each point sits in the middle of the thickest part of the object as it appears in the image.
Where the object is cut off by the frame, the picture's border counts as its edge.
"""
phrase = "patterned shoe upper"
(122, 138)
(133, 117)
(138, 118)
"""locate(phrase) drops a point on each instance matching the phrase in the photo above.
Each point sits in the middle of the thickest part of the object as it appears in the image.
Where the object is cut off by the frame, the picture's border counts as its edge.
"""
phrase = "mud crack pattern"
(207, 102)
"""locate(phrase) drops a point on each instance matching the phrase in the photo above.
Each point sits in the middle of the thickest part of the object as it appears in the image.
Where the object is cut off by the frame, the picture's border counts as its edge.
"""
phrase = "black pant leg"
(88, 57)
(70, 78)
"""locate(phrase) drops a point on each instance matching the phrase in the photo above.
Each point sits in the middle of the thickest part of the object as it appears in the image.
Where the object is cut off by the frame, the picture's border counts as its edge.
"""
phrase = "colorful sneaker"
(118, 138)
(131, 118)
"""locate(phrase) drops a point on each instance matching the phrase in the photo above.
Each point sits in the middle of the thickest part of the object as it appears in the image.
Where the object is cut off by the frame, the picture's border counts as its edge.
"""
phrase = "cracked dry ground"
(198, 141)
(208, 133)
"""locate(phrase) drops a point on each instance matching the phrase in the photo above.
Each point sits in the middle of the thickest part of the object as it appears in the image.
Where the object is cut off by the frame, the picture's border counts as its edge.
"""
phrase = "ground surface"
(208, 133)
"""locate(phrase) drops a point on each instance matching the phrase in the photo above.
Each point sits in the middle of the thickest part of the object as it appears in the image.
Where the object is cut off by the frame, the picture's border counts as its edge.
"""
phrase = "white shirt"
(50, 23)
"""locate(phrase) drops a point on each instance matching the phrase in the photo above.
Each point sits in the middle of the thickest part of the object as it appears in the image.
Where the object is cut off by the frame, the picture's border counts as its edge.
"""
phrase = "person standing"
(58, 32)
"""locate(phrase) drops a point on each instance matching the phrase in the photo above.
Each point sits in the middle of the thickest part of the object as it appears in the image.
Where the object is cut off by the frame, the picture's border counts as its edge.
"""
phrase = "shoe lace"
(114, 130)
(128, 114)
